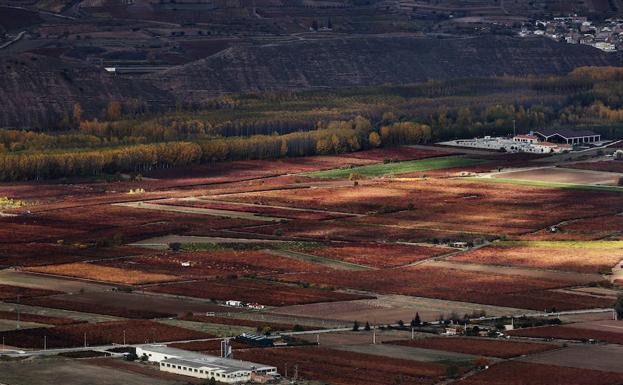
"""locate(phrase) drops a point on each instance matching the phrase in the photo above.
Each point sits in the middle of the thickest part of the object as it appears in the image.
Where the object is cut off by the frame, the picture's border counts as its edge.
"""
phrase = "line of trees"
(342, 137)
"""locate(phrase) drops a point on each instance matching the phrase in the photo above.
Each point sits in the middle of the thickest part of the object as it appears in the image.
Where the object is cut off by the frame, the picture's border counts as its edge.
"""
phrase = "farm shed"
(563, 135)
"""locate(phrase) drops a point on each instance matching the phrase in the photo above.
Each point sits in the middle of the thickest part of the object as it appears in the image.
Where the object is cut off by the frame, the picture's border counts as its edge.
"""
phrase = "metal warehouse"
(226, 370)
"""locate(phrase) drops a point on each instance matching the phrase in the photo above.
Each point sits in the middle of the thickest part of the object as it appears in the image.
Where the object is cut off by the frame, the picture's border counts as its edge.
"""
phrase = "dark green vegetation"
(275, 125)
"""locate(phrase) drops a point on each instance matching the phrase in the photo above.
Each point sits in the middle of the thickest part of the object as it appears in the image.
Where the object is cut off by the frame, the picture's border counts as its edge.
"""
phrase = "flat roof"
(188, 358)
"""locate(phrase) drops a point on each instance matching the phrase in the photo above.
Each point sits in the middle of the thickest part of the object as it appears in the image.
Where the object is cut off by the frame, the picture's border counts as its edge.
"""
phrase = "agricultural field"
(377, 255)
(69, 303)
(523, 373)
(269, 294)
(489, 289)
(41, 319)
(102, 333)
(158, 258)
(477, 346)
(76, 372)
(595, 356)
(601, 227)
(615, 166)
(569, 332)
(12, 293)
(221, 262)
(562, 176)
(398, 167)
(583, 257)
(103, 273)
(242, 322)
(346, 368)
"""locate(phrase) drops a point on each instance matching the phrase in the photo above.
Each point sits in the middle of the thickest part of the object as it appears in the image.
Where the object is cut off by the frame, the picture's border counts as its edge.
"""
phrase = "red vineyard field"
(269, 294)
(477, 346)
(521, 373)
(569, 333)
(11, 293)
(104, 333)
(457, 285)
(99, 308)
(345, 368)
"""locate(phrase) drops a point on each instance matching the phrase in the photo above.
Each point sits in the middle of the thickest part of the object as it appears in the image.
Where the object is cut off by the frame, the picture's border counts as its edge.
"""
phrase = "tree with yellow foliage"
(77, 113)
(374, 139)
(113, 112)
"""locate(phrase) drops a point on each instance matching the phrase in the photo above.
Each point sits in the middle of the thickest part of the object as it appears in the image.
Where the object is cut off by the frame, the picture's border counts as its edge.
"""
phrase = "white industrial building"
(519, 143)
(187, 363)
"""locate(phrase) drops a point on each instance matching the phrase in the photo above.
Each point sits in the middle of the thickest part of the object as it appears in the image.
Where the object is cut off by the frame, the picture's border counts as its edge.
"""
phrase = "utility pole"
(45, 342)
(3, 345)
(318, 339)
(85, 339)
(124, 338)
(373, 336)
(514, 130)
(286, 371)
(412, 333)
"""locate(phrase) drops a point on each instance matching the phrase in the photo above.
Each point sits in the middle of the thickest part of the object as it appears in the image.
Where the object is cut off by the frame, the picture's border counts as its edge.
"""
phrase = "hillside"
(357, 61)
(36, 90)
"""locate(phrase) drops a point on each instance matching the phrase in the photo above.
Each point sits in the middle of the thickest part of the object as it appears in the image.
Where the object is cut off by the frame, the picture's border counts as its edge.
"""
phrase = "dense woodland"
(127, 138)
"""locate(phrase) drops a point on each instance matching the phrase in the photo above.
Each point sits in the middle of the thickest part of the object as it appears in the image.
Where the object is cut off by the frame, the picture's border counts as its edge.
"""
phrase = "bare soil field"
(561, 175)
(71, 372)
(478, 346)
(523, 373)
(597, 357)
(389, 309)
(152, 373)
(614, 166)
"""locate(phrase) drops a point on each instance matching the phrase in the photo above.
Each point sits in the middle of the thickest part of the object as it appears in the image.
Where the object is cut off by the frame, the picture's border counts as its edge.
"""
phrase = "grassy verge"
(382, 169)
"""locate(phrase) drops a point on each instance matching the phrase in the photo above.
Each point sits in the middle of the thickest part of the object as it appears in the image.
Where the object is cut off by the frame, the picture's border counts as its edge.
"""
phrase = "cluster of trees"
(139, 158)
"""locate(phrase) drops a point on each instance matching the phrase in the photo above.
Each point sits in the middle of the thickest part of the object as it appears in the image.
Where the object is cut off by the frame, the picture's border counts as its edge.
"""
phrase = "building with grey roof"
(184, 362)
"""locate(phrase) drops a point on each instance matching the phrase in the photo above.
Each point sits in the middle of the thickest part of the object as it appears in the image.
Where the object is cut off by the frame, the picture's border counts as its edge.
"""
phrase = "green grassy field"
(382, 169)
